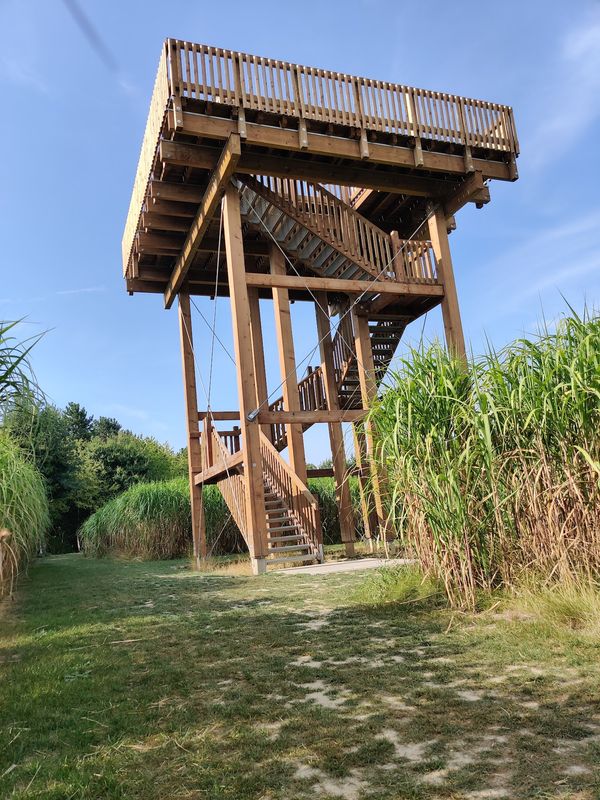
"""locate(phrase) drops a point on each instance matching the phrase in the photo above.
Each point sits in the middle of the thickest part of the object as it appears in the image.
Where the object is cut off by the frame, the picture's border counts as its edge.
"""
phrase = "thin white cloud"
(571, 102)
(23, 75)
(83, 290)
(556, 259)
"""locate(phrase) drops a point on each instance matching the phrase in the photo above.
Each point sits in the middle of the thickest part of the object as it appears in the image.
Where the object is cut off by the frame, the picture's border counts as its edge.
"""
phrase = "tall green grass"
(23, 511)
(494, 467)
(153, 521)
(324, 491)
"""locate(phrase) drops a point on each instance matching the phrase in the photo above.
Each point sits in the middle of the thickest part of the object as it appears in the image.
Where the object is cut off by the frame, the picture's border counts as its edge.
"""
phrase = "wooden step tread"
(285, 559)
(289, 548)
(284, 528)
(292, 538)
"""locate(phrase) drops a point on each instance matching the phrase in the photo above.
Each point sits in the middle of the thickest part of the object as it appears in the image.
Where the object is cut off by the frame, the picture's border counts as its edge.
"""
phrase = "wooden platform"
(388, 148)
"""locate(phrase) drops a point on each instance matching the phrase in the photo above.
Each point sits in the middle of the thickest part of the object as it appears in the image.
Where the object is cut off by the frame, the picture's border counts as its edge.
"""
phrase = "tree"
(105, 427)
(79, 424)
(45, 433)
(120, 461)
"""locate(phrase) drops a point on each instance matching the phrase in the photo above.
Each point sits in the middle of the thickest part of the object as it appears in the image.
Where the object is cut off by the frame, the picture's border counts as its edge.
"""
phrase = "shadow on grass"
(132, 683)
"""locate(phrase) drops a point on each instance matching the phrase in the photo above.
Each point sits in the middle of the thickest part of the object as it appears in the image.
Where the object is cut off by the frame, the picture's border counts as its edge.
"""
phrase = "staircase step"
(284, 528)
(285, 559)
(285, 518)
(292, 548)
(294, 538)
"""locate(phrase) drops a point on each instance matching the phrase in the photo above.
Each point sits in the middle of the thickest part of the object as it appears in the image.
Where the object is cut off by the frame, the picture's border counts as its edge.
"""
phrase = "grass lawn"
(146, 680)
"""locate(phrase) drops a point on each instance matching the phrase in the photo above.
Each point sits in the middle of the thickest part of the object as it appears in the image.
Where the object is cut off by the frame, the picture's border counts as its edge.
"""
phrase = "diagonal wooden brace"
(212, 197)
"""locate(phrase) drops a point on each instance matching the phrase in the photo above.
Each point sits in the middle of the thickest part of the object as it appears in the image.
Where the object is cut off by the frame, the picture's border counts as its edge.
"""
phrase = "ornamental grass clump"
(153, 521)
(494, 466)
(23, 511)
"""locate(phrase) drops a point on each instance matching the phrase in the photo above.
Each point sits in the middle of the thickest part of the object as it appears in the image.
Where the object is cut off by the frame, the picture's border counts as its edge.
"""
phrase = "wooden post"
(438, 234)
(242, 337)
(287, 365)
(368, 391)
(336, 437)
(368, 514)
(258, 353)
(193, 429)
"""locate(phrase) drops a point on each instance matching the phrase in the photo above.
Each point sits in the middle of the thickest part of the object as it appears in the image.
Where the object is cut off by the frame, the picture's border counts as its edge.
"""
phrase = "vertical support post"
(438, 234)
(242, 337)
(258, 352)
(336, 437)
(368, 514)
(193, 428)
(287, 365)
(368, 392)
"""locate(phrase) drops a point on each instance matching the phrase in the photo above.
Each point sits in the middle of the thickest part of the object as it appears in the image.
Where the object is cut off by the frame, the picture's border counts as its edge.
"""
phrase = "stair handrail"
(298, 498)
(232, 487)
(336, 222)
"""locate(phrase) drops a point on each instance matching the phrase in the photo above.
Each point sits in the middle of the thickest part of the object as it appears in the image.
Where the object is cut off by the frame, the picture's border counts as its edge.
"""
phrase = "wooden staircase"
(321, 233)
(385, 333)
(326, 235)
(292, 514)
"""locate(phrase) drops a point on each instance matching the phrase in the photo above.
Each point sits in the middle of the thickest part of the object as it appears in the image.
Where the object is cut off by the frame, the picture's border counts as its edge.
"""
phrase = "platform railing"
(243, 81)
(262, 84)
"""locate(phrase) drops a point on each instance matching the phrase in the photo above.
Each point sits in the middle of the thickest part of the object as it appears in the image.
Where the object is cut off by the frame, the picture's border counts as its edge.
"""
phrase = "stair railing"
(232, 487)
(297, 497)
(331, 219)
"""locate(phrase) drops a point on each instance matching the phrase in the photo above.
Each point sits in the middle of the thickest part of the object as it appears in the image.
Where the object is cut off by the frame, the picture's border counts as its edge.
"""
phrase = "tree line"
(85, 461)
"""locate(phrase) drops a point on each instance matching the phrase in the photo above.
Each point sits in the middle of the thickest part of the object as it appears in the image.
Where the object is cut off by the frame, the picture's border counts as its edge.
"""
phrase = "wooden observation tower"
(328, 189)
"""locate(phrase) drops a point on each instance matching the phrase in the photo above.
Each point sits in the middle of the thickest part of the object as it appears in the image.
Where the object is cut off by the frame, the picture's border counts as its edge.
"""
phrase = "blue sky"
(71, 136)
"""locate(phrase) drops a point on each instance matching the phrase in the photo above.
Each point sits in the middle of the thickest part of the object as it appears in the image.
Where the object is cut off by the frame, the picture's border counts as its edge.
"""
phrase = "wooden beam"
(262, 393)
(163, 222)
(198, 157)
(320, 472)
(246, 380)
(287, 364)
(338, 147)
(176, 192)
(368, 391)
(193, 431)
(212, 197)
(314, 284)
(151, 242)
(370, 521)
(438, 234)
(336, 434)
(298, 417)
(471, 190)
(219, 416)
(220, 470)
(172, 208)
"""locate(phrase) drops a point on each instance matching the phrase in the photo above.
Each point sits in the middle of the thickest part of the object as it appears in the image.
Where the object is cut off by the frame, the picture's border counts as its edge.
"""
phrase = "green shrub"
(153, 521)
(23, 510)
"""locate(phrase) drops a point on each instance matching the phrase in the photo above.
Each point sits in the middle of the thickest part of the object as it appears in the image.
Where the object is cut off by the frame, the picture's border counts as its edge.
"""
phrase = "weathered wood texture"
(244, 358)
(191, 416)
(300, 97)
(212, 197)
